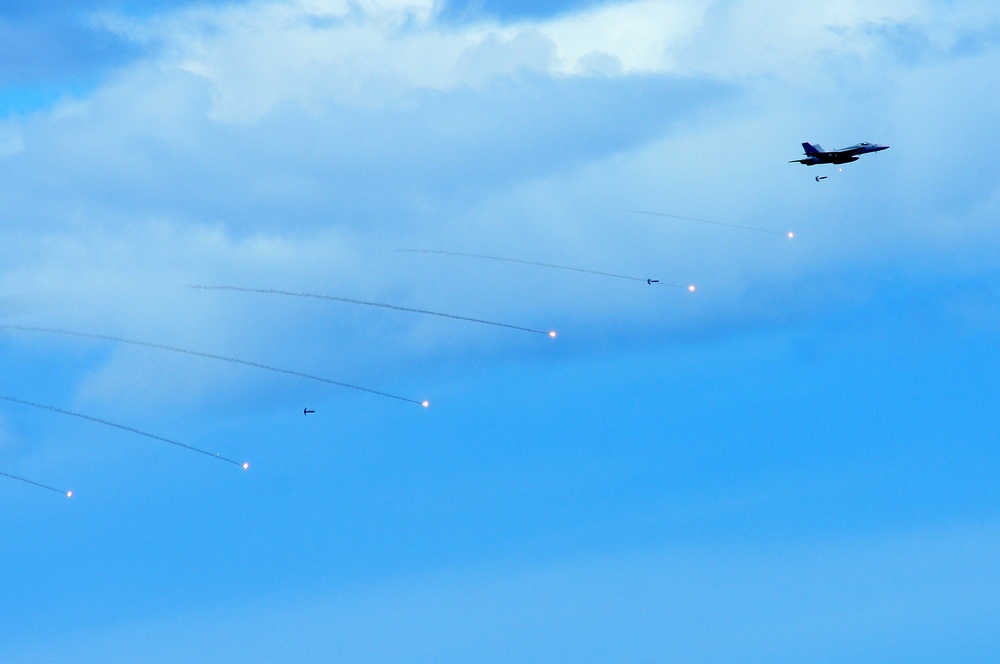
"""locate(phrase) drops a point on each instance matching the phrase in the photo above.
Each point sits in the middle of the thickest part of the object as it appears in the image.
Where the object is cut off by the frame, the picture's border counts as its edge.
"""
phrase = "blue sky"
(796, 462)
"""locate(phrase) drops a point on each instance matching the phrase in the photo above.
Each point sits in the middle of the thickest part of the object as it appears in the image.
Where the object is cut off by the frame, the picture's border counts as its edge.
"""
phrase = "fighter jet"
(816, 155)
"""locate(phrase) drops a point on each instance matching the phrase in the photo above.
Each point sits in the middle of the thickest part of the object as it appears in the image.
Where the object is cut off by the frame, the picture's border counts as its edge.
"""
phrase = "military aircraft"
(816, 155)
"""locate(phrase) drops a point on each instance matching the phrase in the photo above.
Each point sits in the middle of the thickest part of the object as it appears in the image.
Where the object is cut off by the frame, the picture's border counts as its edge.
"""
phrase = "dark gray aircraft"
(816, 155)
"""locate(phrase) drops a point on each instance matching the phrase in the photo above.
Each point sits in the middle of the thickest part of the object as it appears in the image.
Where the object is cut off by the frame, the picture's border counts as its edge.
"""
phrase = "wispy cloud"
(291, 144)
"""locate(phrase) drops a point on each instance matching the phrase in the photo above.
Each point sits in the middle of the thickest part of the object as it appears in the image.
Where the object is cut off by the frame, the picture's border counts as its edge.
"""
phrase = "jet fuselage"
(816, 155)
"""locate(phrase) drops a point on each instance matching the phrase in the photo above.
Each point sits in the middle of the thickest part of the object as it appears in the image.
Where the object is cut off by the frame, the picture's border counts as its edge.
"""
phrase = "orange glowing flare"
(552, 334)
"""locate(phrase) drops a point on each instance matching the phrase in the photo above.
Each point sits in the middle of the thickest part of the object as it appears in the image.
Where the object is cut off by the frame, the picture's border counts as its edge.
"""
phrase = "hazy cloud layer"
(298, 145)
(869, 600)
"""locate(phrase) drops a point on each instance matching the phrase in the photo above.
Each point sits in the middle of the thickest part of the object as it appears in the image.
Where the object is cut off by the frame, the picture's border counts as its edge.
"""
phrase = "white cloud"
(262, 55)
(297, 145)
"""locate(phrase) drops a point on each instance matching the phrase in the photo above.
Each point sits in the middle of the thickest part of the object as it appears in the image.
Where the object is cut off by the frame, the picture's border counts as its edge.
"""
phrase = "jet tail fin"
(811, 149)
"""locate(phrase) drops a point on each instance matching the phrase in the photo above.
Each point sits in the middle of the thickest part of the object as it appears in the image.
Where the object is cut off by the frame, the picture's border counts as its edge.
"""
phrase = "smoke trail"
(717, 223)
(98, 420)
(517, 260)
(68, 494)
(210, 356)
(368, 304)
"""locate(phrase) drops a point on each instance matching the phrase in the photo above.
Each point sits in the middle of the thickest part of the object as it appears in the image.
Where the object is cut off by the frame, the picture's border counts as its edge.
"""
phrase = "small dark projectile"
(820, 177)
(652, 281)
(517, 260)
(306, 411)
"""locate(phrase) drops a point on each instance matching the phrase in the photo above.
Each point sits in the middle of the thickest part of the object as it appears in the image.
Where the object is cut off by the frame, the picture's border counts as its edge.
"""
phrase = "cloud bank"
(298, 145)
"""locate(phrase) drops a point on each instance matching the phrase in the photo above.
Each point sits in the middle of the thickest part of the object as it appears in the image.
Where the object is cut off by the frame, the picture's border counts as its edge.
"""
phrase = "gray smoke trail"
(522, 262)
(68, 494)
(106, 423)
(367, 304)
(210, 356)
(709, 221)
